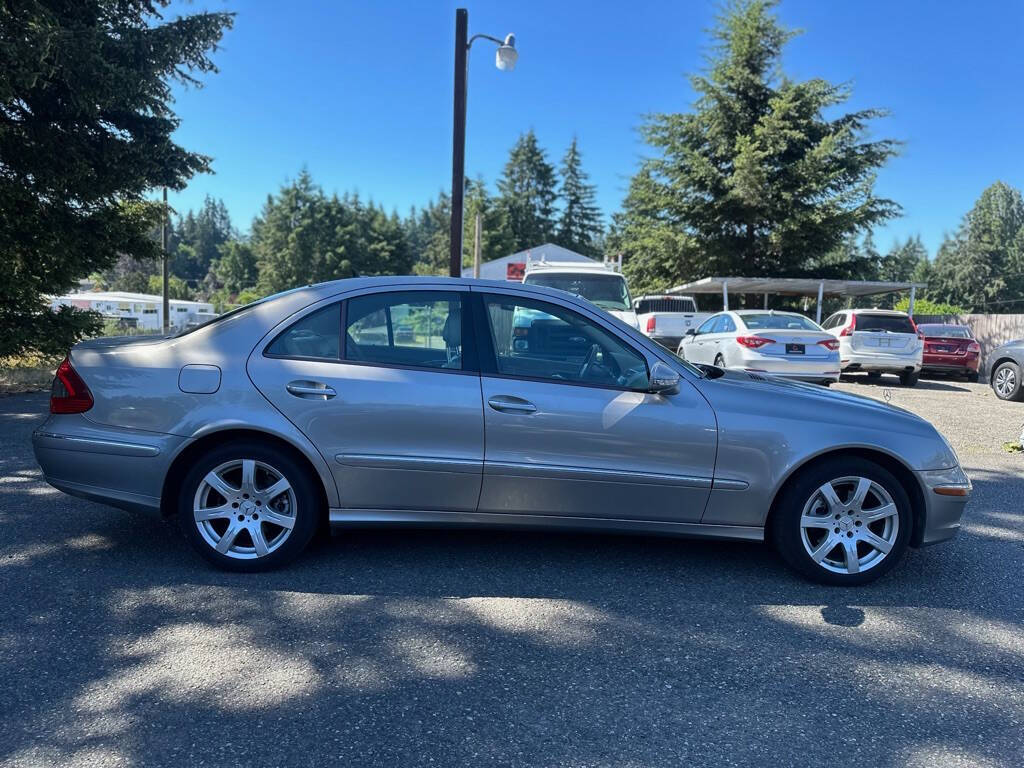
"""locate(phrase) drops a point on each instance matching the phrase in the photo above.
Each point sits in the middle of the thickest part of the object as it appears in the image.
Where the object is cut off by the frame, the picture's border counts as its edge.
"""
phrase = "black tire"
(1007, 371)
(972, 377)
(909, 379)
(785, 527)
(719, 361)
(305, 515)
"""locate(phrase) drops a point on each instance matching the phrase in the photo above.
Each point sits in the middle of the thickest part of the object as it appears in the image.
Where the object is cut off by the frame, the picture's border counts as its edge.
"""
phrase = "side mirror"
(664, 379)
(690, 332)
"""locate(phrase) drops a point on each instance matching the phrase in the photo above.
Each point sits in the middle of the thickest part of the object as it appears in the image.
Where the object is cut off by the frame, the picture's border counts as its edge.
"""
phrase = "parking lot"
(118, 646)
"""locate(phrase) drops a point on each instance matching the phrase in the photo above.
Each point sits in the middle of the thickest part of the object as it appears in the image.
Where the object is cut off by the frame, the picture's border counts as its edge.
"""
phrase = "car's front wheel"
(844, 521)
(1006, 382)
(248, 506)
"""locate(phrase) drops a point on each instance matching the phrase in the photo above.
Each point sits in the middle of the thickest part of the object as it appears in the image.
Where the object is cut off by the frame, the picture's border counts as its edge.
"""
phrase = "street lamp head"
(505, 58)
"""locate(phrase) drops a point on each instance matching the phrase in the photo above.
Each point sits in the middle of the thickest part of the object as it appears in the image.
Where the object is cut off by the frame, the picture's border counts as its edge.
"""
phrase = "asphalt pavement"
(119, 646)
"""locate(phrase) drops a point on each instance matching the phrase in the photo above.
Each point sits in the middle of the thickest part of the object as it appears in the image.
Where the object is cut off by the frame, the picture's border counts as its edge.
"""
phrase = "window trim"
(470, 365)
(489, 358)
(292, 324)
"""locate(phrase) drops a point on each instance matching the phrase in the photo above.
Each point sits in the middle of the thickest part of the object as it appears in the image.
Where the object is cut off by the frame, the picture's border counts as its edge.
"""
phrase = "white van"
(594, 282)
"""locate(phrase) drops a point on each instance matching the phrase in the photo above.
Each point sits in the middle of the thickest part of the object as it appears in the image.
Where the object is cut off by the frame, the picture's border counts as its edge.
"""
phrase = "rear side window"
(422, 329)
(886, 323)
(315, 336)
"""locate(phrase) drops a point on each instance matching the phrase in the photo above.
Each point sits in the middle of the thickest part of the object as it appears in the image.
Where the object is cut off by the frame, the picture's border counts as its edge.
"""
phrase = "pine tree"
(579, 226)
(86, 134)
(981, 266)
(527, 190)
(756, 180)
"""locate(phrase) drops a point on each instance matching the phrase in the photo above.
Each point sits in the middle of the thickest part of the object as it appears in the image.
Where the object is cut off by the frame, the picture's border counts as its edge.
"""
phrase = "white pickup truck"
(667, 318)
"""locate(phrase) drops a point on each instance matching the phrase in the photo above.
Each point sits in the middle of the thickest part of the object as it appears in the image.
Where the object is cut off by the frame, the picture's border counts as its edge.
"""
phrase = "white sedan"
(784, 344)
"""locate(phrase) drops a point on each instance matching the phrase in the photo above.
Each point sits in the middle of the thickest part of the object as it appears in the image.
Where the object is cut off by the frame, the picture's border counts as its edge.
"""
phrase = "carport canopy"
(797, 286)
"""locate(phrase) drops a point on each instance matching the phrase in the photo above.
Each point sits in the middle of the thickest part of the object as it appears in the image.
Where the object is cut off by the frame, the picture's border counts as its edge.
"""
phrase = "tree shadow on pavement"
(119, 646)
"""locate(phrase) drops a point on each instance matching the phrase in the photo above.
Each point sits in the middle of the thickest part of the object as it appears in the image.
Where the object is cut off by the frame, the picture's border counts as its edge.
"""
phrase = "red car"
(950, 349)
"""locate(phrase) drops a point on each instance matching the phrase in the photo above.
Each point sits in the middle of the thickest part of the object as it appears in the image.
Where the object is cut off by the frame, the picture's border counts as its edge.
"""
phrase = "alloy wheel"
(245, 509)
(849, 525)
(1006, 381)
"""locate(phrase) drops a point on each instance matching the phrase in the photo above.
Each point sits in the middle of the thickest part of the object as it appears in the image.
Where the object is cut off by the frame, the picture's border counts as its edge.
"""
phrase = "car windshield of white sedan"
(605, 291)
(537, 340)
(770, 321)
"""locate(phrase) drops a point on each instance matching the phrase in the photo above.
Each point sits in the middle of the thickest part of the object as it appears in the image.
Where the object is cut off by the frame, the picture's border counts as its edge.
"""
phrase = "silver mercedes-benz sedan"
(429, 402)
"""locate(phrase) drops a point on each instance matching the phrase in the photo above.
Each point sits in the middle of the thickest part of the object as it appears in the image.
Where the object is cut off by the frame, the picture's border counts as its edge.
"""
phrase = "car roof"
(742, 312)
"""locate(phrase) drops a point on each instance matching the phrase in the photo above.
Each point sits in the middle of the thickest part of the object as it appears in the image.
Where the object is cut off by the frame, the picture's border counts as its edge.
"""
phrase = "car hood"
(820, 400)
(626, 316)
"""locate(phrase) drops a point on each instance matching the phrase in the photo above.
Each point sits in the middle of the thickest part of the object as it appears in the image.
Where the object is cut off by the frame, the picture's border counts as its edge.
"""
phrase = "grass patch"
(27, 373)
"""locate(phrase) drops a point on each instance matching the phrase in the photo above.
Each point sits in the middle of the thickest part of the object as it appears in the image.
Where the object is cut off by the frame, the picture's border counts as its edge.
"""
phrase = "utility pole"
(476, 246)
(163, 244)
(459, 140)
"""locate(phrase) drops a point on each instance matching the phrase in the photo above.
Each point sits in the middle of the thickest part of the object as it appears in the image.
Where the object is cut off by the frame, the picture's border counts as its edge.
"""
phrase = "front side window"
(537, 340)
(707, 325)
(314, 336)
(408, 328)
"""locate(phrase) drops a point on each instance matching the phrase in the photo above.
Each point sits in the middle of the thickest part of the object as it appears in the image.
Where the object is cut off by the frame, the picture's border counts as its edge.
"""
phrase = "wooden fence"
(989, 330)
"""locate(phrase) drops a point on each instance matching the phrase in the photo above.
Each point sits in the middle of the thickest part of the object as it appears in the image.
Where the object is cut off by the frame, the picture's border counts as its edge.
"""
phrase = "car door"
(382, 384)
(572, 430)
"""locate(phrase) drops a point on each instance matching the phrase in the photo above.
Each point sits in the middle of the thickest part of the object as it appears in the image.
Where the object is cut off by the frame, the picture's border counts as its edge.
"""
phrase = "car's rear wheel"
(248, 506)
(909, 379)
(844, 521)
(1006, 381)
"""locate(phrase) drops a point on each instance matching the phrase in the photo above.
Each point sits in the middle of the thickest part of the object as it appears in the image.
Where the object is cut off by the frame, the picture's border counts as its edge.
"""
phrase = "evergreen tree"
(236, 269)
(204, 233)
(433, 237)
(901, 263)
(981, 266)
(86, 130)
(496, 238)
(527, 199)
(756, 180)
(579, 226)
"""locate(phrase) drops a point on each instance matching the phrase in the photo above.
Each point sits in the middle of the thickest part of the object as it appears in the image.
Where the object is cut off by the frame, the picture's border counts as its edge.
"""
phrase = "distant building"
(512, 267)
(139, 310)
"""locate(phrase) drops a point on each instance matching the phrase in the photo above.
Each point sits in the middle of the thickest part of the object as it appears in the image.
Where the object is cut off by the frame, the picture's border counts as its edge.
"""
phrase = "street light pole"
(505, 59)
(459, 140)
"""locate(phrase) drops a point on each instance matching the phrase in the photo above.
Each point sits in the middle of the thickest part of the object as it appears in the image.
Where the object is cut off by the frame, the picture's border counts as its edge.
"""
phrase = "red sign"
(514, 270)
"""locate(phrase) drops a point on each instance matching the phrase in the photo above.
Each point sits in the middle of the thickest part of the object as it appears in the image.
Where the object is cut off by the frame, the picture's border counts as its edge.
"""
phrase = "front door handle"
(310, 390)
(510, 404)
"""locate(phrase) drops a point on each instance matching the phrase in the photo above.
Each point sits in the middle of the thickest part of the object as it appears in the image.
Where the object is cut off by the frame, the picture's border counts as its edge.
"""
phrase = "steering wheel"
(589, 361)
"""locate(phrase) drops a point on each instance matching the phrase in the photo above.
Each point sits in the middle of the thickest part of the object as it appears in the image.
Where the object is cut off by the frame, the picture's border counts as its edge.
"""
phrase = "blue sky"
(361, 93)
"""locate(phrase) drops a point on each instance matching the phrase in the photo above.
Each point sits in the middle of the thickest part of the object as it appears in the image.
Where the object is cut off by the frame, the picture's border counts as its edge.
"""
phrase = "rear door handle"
(511, 404)
(311, 390)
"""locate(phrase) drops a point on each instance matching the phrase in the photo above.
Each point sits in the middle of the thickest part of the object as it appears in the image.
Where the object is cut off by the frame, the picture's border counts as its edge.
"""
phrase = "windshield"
(606, 291)
(946, 331)
(779, 322)
(884, 323)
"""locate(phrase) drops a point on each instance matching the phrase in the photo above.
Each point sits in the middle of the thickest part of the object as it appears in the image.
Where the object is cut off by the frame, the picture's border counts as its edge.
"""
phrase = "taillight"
(974, 347)
(753, 342)
(832, 344)
(918, 331)
(69, 393)
(651, 322)
(849, 329)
